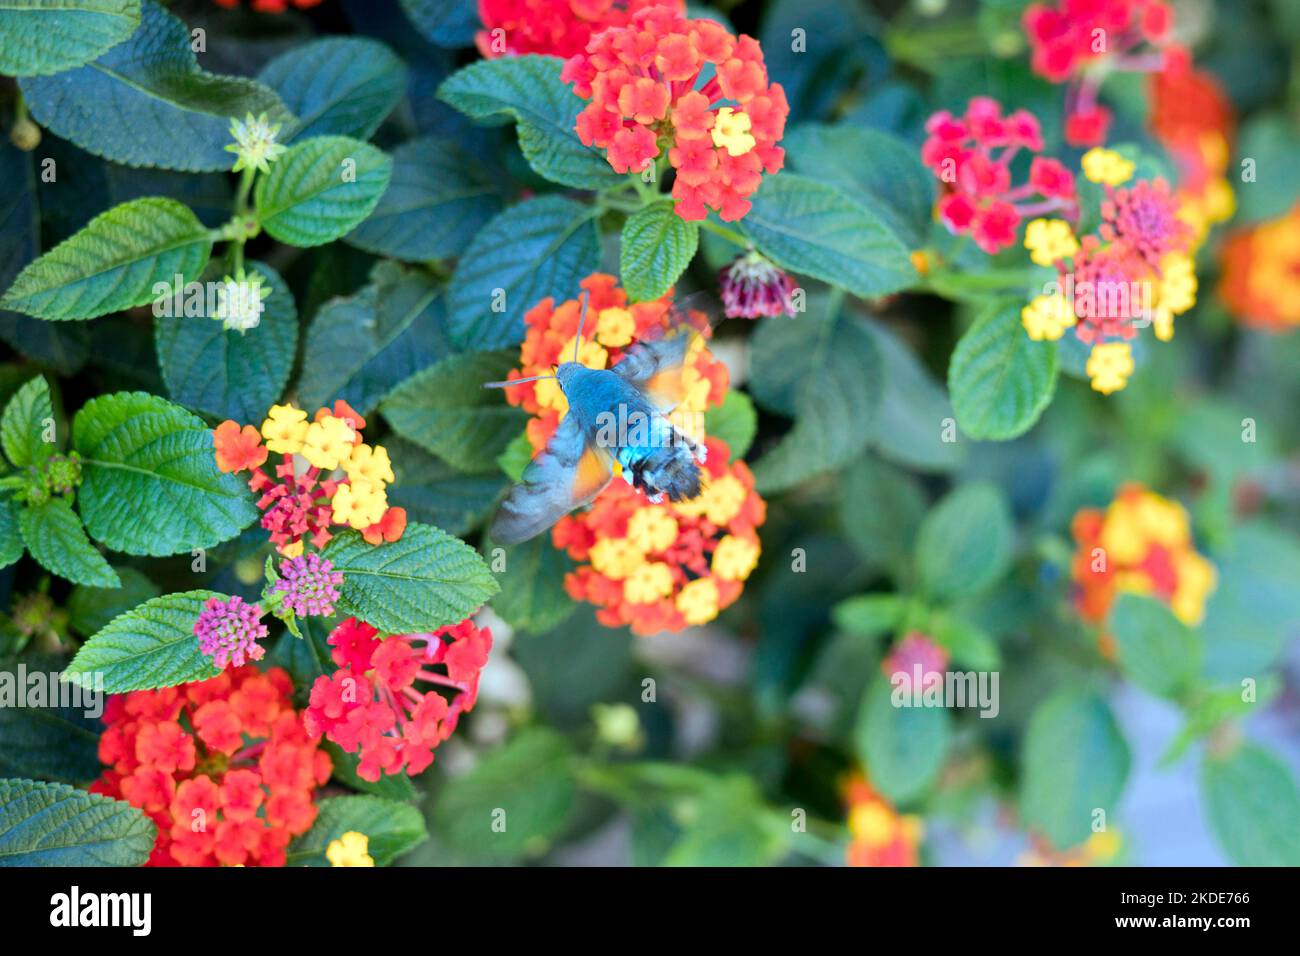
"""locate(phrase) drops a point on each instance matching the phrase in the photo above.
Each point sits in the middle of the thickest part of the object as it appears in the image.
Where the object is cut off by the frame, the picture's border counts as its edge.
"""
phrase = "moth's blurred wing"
(654, 364)
(568, 473)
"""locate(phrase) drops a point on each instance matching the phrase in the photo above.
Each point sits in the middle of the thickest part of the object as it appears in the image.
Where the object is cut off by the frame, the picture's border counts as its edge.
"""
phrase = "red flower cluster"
(224, 767)
(559, 27)
(270, 6)
(642, 81)
(979, 198)
(371, 703)
(1070, 36)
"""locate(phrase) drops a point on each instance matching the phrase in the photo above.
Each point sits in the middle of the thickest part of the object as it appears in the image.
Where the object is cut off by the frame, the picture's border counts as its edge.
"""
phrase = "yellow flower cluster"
(1107, 167)
(351, 849)
(330, 444)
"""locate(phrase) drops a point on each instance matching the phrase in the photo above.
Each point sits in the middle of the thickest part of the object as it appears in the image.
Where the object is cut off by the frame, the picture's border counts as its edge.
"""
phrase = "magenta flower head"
(228, 631)
(310, 585)
(753, 286)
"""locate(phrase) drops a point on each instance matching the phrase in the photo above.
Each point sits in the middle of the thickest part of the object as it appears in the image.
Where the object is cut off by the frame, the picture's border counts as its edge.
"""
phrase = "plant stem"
(730, 235)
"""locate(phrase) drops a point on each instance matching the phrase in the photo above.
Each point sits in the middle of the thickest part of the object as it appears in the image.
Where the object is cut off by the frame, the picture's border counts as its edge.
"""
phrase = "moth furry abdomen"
(670, 470)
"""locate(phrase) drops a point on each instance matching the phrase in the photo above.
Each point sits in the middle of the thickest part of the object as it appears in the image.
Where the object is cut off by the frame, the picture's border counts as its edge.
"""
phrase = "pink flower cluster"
(228, 630)
(971, 156)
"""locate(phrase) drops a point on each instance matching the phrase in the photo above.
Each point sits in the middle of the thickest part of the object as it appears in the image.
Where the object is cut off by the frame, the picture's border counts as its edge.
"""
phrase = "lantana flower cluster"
(327, 476)
(558, 27)
(879, 834)
(653, 566)
(1140, 544)
(1261, 273)
(1100, 849)
(1136, 269)
(612, 325)
(1193, 119)
(648, 93)
(383, 701)
(1080, 42)
(223, 767)
(670, 565)
(971, 156)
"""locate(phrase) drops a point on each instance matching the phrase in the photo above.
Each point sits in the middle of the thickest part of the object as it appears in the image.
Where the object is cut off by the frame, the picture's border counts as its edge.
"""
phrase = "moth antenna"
(582, 317)
(516, 381)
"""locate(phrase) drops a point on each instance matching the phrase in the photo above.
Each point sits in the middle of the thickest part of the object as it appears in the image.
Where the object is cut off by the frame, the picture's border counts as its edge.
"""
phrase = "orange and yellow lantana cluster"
(880, 835)
(653, 567)
(1140, 544)
(1261, 274)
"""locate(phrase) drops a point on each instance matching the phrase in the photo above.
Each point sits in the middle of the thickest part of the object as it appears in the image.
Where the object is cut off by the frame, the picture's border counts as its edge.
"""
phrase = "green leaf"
(525, 787)
(59, 544)
(964, 545)
(914, 410)
(358, 347)
(543, 246)
(392, 829)
(90, 609)
(1255, 605)
(734, 421)
(53, 824)
(1000, 378)
(433, 492)
(826, 373)
(656, 248)
(11, 539)
(1157, 651)
(37, 37)
(516, 457)
(341, 86)
(1271, 140)
(446, 410)
(812, 228)
(528, 89)
(151, 484)
(1253, 807)
(532, 596)
(425, 581)
(150, 646)
(447, 23)
(41, 740)
(114, 263)
(877, 169)
(729, 826)
(439, 197)
(881, 509)
(1074, 762)
(903, 748)
(224, 372)
(321, 189)
(146, 102)
(27, 416)
(869, 614)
